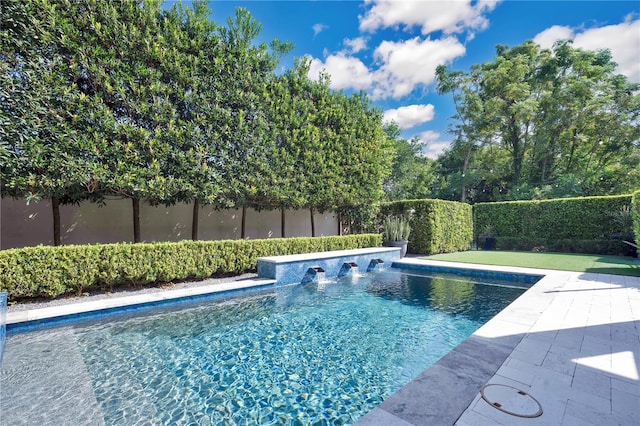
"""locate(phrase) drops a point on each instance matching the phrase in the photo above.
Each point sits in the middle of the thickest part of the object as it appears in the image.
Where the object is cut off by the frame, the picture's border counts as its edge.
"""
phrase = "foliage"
(53, 271)
(541, 123)
(437, 226)
(571, 224)
(396, 229)
(412, 175)
(635, 209)
(131, 100)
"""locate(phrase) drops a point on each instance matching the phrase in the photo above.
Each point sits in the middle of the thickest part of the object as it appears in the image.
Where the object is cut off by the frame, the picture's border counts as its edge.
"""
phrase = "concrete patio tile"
(595, 345)
(519, 371)
(502, 380)
(559, 361)
(602, 331)
(598, 417)
(625, 405)
(625, 364)
(575, 421)
(472, 418)
(589, 398)
(632, 387)
(379, 417)
(593, 382)
(530, 355)
(571, 334)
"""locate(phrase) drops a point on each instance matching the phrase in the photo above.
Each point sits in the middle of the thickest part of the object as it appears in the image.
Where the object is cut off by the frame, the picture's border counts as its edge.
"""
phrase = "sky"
(390, 49)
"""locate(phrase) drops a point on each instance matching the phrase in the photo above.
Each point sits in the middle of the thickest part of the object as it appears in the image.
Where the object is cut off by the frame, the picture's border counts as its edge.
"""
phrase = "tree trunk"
(339, 224)
(282, 222)
(194, 220)
(465, 166)
(243, 226)
(55, 208)
(136, 220)
(313, 223)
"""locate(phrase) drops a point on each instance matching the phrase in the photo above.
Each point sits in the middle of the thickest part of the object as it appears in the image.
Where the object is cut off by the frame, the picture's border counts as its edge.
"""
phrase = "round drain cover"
(511, 400)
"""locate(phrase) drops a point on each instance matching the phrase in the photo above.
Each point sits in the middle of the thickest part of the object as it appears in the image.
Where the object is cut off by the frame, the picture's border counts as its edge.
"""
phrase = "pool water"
(323, 353)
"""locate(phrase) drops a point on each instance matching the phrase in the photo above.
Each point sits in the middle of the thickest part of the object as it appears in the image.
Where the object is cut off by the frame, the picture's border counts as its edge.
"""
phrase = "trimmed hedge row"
(635, 208)
(437, 226)
(46, 271)
(570, 224)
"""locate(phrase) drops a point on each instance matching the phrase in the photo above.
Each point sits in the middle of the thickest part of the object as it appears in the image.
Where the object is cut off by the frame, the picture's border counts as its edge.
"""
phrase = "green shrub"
(584, 225)
(635, 212)
(437, 226)
(46, 271)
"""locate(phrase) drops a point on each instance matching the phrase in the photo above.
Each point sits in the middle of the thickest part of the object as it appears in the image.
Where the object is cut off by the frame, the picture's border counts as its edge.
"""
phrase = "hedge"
(437, 226)
(584, 224)
(46, 271)
(635, 208)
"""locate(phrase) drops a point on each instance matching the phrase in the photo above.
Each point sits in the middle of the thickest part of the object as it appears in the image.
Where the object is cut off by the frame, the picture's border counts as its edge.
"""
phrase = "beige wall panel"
(263, 224)
(219, 225)
(25, 225)
(160, 223)
(326, 224)
(89, 223)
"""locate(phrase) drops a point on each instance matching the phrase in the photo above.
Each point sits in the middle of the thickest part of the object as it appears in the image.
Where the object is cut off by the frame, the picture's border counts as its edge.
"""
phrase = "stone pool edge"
(25, 320)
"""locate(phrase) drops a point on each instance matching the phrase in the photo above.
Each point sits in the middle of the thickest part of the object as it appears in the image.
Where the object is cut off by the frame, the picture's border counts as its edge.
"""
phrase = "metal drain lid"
(511, 400)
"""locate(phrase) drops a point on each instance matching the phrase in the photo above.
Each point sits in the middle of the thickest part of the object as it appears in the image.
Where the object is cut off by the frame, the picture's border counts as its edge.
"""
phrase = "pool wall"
(292, 269)
(3, 322)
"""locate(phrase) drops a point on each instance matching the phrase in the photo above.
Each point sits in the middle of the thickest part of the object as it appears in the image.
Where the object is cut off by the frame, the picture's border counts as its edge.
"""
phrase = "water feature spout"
(375, 264)
(314, 274)
(348, 268)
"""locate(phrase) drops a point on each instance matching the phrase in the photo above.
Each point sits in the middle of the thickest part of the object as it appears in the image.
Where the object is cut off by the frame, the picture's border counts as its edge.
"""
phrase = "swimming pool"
(326, 352)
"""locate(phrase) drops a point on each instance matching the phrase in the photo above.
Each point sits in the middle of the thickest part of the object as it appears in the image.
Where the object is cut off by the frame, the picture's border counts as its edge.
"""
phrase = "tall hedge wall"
(437, 226)
(635, 208)
(46, 271)
(570, 224)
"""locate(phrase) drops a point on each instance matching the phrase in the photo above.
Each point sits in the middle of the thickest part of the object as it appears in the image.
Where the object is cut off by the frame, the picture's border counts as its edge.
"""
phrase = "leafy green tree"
(567, 122)
(413, 176)
(48, 152)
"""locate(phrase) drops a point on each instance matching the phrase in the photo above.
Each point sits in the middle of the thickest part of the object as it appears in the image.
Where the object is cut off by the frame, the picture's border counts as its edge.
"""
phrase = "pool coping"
(39, 316)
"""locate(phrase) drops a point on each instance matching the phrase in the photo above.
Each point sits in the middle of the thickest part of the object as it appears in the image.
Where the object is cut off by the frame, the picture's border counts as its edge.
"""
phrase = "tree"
(412, 174)
(48, 152)
(567, 122)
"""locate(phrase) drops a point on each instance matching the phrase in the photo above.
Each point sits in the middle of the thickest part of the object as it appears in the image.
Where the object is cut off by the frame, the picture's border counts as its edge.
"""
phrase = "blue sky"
(390, 49)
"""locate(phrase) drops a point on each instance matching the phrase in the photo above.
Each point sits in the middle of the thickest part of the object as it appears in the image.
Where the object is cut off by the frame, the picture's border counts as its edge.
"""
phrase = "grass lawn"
(596, 263)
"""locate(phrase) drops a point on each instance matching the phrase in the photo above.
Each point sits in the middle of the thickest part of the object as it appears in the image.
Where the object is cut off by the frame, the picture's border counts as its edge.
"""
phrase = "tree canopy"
(538, 123)
(125, 99)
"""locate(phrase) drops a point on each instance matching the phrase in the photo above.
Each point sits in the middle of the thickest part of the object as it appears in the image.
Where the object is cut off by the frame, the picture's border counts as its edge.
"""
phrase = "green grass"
(596, 263)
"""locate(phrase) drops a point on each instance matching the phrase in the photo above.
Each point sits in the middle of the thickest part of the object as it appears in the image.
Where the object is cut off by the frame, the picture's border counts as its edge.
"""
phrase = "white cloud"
(433, 146)
(410, 116)
(402, 66)
(355, 45)
(318, 28)
(623, 40)
(447, 16)
(407, 64)
(345, 71)
(552, 34)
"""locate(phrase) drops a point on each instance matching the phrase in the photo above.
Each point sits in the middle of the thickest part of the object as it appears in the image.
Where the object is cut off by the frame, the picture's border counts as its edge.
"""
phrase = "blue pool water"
(322, 353)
